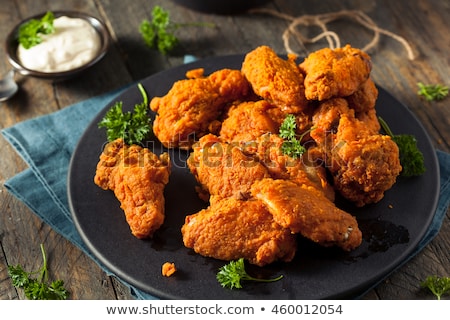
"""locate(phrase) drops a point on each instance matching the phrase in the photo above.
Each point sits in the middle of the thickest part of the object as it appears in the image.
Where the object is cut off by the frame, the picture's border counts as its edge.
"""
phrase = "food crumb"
(168, 269)
(195, 73)
(390, 206)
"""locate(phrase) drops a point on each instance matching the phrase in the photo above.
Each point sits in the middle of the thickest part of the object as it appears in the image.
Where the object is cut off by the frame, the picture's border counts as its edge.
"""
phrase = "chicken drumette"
(305, 210)
(230, 229)
(363, 163)
(138, 178)
(191, 107)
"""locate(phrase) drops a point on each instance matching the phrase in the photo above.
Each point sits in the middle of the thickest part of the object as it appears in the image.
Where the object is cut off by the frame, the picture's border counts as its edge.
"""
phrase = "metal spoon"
(8, 87)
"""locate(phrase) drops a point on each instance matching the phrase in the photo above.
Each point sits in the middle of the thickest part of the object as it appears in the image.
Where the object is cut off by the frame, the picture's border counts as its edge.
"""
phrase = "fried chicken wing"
(276, 80)
(363, 102)
(300, 170)
(364, 98)
(363, 164)
(230, 229)
(223, 169)
(187, 111)
(335, 73)
(247, 121)
(138, 177)
(305, 210)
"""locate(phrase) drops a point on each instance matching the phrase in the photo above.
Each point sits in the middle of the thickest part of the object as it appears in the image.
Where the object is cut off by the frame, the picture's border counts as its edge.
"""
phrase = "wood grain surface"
(423, 23)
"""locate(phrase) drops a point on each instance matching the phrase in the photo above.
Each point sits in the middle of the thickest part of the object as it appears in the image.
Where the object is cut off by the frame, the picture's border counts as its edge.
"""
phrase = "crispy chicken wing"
(189, 109)
(230, 229)
(303, 209)
(335, 73)
(300, 170)
(363, 164)
(247, 121)
(363, 102)
(276, 80)
(138, 177)
(223, 169)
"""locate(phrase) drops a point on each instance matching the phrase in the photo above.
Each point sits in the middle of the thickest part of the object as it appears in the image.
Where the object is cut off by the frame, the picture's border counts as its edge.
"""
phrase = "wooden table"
(423, 23)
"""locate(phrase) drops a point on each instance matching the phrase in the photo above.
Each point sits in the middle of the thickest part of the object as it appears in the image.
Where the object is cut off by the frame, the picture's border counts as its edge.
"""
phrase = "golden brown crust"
(223, 169)
(230, 229)
(335, 73)
(187, 111)
(137, 177)
(303, 209)
(276, 80)
(363, 163)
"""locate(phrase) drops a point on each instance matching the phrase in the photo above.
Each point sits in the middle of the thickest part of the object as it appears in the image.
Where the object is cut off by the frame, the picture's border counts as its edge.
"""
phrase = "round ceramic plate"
(391, 229)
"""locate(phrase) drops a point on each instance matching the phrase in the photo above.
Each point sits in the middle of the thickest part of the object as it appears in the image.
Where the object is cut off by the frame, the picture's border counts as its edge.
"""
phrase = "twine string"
(333, 39)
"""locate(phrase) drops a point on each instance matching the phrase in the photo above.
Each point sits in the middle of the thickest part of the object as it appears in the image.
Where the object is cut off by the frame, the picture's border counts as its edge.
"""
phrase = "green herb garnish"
(432, 92)
(231, 275)
(437, 285)
(159, 32)
(411, 158)
(291, 146)
(132, 127)
(37, 289)
(31, 31)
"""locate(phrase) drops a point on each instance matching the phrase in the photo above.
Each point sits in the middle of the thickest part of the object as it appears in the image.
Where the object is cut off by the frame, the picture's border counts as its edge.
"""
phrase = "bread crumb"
(168, 269)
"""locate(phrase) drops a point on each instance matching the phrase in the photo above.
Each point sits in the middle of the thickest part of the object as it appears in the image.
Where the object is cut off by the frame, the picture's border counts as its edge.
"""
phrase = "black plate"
(392, 228)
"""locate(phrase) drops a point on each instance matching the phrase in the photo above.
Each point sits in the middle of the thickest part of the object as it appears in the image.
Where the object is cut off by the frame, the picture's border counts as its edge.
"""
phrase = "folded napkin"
(46, 144)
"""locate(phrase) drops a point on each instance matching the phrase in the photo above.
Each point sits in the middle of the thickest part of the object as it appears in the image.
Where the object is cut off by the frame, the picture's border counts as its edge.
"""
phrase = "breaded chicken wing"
(230, 229)
(276, 80)
(223, 169)
(138, 178)
(363, 164)
(335, 73)
(303, 209)
(364, 98)
(300, 170)
(363, 102)
(189, 109)
(247, 121)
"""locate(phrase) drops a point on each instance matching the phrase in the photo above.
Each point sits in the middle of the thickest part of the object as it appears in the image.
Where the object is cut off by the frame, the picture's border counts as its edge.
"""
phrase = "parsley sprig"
(159, 32)
(31, 31)
(432, 92)
(437, 285)
(38, 288)
(292, 146)
(132, 127)
(411, 158)
(231, 275)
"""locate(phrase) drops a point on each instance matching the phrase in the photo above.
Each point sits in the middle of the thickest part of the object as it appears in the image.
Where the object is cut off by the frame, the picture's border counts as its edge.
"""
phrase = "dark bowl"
(220, 6)
(12, 44)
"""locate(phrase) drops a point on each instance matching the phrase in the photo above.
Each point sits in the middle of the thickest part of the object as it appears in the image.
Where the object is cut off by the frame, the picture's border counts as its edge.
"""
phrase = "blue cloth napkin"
(46, 144)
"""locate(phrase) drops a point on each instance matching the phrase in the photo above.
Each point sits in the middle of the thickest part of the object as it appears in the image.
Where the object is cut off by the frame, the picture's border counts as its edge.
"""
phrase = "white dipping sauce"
(73, 43)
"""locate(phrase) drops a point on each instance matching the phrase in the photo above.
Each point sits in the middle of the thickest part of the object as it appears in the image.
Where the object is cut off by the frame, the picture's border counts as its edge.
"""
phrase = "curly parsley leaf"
(411, 158)
(437, 285)
(37, 288)
(432, 92)
(132, 127)
(31, 31)
(159, 32)
(231, 275)
(292, 146)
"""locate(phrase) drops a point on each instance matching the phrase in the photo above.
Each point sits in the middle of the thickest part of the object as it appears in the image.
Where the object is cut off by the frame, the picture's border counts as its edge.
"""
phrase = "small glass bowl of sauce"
(79, 42)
